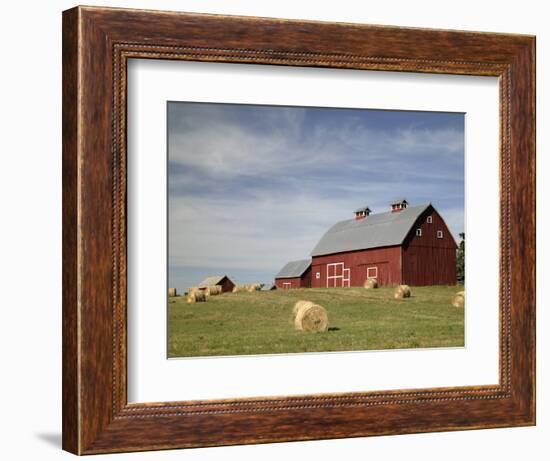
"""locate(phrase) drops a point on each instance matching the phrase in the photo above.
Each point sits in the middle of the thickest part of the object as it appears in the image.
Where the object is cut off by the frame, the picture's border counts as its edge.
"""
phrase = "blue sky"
(251, 187)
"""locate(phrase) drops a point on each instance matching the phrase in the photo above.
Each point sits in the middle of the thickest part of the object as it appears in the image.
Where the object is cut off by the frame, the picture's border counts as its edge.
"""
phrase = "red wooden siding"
(428, 260)
(387, 262)
(295, 282)
(227, 285)
(288, 283)
(306, 278)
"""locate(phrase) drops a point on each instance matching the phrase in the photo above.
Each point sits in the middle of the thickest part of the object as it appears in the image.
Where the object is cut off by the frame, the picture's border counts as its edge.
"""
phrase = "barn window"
(372, 272)
(429, 220)
(317, 275)
(440, 234)
(419, 232)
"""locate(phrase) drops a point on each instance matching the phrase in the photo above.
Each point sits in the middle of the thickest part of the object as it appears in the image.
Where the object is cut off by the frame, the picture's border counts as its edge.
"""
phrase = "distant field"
(261, 322)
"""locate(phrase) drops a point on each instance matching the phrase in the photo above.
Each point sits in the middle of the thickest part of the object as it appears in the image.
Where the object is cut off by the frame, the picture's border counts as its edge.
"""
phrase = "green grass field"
(359, 319)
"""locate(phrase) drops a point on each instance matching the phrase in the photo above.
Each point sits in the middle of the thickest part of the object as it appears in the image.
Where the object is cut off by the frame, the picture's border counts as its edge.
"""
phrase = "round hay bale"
(193, 290)
(402, 291)
(213, 290)
(370, 283)
(458, 300)
(172, 292)
(254, 287)
(299, 305)
(196, 297)
(311, 318)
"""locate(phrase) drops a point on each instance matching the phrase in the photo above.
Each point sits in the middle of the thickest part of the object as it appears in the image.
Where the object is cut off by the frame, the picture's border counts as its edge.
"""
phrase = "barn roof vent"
(398, 205)
(362, 212)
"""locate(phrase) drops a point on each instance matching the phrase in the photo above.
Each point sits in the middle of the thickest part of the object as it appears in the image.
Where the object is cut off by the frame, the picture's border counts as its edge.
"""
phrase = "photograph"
(313, 229)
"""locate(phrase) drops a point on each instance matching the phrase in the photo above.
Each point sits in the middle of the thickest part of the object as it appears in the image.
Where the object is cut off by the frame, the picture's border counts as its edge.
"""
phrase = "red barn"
(295, 274)
(406, 245)
(223, 280)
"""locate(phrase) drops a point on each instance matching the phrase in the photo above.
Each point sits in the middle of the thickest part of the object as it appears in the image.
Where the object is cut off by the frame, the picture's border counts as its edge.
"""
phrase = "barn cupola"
(398, 205)
(362, 213)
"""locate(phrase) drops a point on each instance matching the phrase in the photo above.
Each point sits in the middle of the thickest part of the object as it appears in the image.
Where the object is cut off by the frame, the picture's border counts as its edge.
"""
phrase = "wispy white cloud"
(247, 234)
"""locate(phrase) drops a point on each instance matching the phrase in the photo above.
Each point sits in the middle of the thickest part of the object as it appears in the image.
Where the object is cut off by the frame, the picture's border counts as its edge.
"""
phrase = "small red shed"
(406, 245)
(223, 280)
(294, 274)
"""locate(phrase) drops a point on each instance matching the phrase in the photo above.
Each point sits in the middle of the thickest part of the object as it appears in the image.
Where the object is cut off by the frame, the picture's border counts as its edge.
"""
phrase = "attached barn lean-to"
(294, 274)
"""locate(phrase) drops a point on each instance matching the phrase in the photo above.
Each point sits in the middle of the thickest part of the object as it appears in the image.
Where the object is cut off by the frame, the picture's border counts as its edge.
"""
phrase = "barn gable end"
(429, 252)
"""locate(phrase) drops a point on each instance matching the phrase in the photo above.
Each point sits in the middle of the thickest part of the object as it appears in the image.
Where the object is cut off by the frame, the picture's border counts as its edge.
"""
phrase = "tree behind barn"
(460, 255)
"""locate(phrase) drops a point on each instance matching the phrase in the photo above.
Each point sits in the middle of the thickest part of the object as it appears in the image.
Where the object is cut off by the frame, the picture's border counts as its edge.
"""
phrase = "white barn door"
(346, 279)
(338, 276)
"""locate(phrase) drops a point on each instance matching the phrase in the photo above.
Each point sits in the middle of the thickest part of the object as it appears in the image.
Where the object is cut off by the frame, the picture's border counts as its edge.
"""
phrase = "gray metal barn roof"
(212, 280)
(294, 269)
(374, 231)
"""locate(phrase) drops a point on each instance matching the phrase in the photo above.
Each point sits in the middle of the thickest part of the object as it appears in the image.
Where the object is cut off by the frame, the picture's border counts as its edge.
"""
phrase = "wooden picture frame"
(97, 43)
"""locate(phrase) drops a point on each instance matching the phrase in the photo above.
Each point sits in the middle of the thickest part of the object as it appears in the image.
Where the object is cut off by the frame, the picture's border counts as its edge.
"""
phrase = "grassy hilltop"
(359, 319)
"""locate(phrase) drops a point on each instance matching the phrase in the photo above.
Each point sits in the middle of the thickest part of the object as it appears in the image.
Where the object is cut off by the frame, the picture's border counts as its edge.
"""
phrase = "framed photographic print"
(282, 230)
